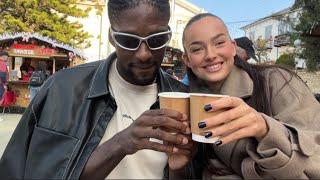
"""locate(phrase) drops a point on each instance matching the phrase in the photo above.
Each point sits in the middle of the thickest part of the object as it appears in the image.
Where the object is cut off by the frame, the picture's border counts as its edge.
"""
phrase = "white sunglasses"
(132, 42)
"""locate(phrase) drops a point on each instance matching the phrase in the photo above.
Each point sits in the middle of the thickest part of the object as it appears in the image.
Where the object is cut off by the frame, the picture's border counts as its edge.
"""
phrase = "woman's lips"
(213, 67)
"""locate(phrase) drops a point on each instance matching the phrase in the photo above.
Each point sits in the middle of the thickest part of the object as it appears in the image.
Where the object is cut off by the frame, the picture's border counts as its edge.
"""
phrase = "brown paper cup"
(197, 114)
(179, 102)
(175, 100)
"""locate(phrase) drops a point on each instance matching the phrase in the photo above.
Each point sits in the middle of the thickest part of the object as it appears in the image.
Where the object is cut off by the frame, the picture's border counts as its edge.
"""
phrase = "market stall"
(173, 60)
(26, 51)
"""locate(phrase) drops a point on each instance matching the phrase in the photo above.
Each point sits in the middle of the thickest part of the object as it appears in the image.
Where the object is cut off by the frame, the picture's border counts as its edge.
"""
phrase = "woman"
(271, 127)
(26, 69)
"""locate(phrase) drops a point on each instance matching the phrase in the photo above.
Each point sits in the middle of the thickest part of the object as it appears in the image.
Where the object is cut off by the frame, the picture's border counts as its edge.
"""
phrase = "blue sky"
(238, 13)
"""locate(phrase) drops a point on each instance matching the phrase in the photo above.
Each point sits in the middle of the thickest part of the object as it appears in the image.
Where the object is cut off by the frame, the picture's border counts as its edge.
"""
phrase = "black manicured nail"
(218, 143)
(202, 125)
(207, 107)
(208, 134)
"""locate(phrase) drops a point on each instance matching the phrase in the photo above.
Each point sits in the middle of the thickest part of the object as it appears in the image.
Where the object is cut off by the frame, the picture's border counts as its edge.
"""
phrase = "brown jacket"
(291, 147)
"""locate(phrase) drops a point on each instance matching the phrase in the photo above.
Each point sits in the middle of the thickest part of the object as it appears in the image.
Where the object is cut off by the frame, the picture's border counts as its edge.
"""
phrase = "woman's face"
(209, 50)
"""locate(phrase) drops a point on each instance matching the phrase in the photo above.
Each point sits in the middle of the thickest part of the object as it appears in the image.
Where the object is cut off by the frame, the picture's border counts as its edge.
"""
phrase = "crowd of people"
(99, 120)
(28, 74)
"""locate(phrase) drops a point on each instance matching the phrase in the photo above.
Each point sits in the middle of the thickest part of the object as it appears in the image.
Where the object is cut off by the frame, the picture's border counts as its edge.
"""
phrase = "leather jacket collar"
(99, 86)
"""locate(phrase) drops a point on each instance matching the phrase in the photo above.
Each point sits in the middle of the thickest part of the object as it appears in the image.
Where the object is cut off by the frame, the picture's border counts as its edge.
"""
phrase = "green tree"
(309, 21)
(261, 49)
(49, 18)
(287, 60)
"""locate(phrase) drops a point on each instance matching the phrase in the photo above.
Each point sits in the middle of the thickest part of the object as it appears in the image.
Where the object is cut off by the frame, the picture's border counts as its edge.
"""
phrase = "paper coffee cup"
(177, 101)
(197, 114)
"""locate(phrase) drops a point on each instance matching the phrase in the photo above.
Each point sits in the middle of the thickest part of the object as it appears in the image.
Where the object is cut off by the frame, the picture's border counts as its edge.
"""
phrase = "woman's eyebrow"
(217, 36)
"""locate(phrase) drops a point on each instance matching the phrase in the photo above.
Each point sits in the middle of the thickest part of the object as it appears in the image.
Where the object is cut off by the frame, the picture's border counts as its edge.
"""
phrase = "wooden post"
(53, 65)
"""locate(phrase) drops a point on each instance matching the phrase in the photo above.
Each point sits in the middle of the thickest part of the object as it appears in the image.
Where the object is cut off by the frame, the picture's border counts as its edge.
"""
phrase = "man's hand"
(186, 152)
(158, 124)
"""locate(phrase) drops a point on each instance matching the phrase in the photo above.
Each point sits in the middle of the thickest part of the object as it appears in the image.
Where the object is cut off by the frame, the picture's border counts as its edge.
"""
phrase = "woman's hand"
(239, 120)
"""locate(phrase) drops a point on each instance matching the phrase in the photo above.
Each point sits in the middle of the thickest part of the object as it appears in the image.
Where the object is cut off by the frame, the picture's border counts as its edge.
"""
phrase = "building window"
(252, 36)
(284, 28)
(268, 32)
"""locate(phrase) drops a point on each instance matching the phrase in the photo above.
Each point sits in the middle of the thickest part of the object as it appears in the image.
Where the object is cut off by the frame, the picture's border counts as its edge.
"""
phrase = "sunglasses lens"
(127, 41)
(158, 41)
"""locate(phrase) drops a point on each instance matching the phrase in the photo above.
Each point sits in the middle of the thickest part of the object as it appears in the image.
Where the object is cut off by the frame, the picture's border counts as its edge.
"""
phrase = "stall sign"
(32, 50)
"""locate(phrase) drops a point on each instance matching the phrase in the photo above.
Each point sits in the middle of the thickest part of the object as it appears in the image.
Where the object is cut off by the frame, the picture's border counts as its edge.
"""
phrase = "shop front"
(26, 52)
(173, 60)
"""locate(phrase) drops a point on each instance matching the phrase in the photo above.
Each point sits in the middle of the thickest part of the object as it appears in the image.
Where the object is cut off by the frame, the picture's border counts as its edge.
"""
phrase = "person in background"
(40, 74)
(3, 71)
(26, 69)
(270, 126)
(171, 73)
(245, 50)
(102, 119)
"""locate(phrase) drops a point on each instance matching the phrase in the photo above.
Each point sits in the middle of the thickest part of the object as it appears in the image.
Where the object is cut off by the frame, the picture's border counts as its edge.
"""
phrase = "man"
(3, 71)
(245, 50)
(93, 121)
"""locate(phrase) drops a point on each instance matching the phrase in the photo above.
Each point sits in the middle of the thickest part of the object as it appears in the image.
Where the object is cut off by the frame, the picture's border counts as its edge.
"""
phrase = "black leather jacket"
(65, 123)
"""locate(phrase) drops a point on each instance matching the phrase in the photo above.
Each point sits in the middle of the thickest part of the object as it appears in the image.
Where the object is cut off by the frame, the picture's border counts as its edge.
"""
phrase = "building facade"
(97, 24)
(275, 30)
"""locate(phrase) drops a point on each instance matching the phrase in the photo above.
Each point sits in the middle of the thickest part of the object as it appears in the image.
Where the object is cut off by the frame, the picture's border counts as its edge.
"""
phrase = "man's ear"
(186, 59)
(111, 39)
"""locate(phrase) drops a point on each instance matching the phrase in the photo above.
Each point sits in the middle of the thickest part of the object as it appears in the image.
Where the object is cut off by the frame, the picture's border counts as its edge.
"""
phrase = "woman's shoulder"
(284, 80)
(281, 75)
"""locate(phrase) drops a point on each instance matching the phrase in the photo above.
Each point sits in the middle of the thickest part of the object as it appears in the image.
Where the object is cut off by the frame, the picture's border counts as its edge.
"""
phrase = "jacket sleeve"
(291, 147)
(13, 160)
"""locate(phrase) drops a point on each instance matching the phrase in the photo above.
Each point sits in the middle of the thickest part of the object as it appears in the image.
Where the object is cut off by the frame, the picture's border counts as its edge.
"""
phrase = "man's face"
(140, 66)
(210, 51)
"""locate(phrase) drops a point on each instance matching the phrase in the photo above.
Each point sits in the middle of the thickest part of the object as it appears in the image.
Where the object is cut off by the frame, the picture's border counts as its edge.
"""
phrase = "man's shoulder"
(78, 72)
(75, 77)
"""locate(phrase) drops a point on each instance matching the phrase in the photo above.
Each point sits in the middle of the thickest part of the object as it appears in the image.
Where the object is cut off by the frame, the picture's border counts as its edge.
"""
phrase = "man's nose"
(144, 53)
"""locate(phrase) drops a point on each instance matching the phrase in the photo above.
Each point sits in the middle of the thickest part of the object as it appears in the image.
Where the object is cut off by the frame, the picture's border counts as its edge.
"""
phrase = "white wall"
(97, 26)
(259, 29)
(182, 12)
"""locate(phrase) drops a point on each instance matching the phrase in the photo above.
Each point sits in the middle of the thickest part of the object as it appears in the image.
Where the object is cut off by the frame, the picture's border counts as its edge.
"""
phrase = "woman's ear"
(186, 59)
(234, 47)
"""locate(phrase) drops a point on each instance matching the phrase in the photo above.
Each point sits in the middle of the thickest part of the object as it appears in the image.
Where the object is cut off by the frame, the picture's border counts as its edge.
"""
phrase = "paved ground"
(8, 123)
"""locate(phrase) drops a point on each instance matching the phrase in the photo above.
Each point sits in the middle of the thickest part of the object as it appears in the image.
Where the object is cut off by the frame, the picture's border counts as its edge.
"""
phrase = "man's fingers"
(159, 147)
(167, 123)
(166, 136)
(185, 152)
(169, 113)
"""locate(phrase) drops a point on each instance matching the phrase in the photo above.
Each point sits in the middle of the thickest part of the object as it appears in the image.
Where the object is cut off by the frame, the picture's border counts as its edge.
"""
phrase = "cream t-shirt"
(132, 101)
